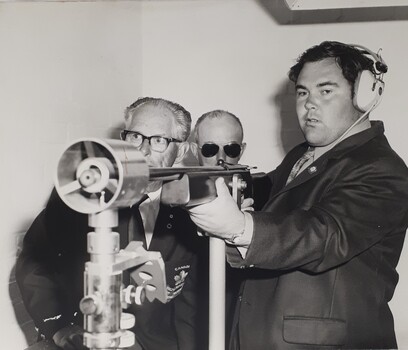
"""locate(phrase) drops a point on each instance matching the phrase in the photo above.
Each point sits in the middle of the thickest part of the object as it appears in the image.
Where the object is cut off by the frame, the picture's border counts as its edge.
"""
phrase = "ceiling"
(341, 4)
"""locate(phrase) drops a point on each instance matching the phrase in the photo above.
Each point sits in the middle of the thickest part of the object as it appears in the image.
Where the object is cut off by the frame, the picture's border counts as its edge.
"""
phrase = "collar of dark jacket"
(354, 141)
(377, 128)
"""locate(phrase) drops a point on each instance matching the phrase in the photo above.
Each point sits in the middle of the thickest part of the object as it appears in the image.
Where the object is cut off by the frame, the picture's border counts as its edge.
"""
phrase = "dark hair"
(181, 116)
(350, 59)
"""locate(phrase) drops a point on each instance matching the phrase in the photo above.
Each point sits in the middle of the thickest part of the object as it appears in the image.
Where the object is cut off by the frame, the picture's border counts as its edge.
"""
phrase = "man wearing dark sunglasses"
(50, 267)
(218, 137)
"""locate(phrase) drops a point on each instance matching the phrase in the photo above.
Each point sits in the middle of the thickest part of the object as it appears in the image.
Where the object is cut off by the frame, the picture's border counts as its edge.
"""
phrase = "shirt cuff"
(244, 240)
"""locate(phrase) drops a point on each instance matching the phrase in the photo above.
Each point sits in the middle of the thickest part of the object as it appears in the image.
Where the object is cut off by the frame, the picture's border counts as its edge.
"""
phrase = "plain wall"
(68, 70)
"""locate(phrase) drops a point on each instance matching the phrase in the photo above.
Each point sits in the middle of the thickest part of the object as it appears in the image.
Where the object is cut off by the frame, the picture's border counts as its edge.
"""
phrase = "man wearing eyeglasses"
(50, 267)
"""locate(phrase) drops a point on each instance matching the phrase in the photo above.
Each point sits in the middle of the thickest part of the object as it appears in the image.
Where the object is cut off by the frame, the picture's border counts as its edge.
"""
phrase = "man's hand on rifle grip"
(221, 217)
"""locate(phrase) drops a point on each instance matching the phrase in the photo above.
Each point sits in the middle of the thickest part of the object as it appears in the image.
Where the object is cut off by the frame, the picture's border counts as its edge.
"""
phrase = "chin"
(313, 139)
(314, 142)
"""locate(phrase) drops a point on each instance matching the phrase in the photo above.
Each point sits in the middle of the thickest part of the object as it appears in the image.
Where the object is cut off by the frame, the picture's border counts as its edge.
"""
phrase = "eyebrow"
(325, 83)
(138, 132)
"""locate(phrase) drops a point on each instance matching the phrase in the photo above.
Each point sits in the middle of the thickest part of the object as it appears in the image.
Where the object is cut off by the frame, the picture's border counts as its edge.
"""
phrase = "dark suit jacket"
(321, 267)
(50, 270)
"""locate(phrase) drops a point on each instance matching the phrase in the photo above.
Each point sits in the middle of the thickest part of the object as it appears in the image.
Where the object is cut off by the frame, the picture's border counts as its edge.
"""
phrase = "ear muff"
(369, 87)
(368, 91)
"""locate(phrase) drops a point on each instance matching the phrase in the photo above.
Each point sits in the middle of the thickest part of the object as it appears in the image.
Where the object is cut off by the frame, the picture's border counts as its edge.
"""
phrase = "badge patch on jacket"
(176, 278)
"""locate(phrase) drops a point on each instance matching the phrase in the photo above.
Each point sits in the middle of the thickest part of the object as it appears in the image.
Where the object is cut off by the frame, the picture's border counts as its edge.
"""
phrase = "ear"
(367, 91)
(182, 151)
(243, 147)
(194, 149)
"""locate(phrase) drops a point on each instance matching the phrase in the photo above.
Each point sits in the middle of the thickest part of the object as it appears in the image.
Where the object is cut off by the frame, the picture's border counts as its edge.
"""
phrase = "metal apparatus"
(97, 177)
(217, 277)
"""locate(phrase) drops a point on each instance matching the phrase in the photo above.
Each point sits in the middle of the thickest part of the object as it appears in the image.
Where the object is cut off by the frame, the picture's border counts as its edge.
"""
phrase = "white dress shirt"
(149, 209)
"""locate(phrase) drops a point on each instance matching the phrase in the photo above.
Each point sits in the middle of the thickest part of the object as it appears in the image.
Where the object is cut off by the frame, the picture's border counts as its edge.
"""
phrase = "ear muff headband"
(369, 87)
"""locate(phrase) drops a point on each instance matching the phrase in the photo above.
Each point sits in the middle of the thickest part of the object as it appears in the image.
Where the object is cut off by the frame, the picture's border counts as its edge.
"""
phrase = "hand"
(70, 338)
(220, 217)
(247, 204)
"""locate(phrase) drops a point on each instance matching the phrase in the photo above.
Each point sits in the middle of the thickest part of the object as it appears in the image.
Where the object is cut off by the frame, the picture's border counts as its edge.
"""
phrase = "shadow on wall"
(289, 132)
(278, 10)
(114, 132)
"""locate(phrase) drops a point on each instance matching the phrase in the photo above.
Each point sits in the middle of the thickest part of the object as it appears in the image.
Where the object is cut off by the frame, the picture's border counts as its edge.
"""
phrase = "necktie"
(298, 165)
(149, 211)
(135, 232)
(136, 229)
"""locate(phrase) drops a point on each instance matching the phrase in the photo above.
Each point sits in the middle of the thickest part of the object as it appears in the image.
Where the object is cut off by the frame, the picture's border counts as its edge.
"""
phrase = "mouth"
(310, 121)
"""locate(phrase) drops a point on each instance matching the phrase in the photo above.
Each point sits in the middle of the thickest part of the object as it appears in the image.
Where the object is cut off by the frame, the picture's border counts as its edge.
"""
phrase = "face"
(324, 102)
(156, 121)
(219, 131)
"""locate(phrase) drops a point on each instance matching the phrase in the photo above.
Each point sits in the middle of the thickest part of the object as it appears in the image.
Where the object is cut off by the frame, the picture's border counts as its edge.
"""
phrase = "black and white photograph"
(204, 174)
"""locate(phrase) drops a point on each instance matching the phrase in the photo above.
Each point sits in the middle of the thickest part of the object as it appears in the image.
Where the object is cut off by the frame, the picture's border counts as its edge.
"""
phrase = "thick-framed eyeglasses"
(232, 149)
(157, 143)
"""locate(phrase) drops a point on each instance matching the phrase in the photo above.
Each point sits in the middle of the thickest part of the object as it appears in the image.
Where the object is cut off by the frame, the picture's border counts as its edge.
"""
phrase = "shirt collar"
(155, 195)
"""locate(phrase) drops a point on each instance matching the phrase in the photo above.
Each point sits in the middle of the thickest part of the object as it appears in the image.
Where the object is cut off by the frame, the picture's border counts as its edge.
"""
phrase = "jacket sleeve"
(37, 273)
(361, 207)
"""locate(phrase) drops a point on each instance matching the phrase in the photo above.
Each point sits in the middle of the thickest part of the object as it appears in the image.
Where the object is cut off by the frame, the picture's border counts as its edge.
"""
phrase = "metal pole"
(217, 294)
(217, 277)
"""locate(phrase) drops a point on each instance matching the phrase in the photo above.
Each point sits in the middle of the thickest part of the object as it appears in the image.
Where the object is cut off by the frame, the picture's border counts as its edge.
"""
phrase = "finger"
(197, 219)
(200, 209)
(248, 209)
(247, 202)
(195, 211)
(200, 232)
(222, 189)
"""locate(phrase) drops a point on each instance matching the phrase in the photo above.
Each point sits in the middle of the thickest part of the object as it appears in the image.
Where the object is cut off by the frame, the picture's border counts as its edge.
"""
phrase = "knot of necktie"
(300, 162)
(144, 197)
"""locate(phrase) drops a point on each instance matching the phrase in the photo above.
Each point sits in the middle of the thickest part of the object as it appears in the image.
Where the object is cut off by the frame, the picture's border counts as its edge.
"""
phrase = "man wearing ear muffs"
(321, 255)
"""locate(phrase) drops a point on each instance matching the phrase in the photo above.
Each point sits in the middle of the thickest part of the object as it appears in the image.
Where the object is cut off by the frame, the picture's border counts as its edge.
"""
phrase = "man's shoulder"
(379, 153)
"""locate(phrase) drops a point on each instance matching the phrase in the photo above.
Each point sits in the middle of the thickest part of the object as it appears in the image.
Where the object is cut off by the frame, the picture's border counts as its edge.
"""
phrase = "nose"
(145, 147)
(221, 155)
(311, 102)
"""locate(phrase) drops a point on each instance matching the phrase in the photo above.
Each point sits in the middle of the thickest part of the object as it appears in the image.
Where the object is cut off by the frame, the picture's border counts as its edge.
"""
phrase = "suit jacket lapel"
(311, 171)
(123, 227)
(161, 227)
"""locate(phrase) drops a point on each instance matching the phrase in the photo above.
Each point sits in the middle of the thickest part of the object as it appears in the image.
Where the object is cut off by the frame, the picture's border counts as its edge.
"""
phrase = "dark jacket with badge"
(50, 271)
(321, 267)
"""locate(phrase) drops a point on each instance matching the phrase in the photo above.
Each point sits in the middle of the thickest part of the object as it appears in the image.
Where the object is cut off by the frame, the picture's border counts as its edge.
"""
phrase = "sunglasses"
(232, 149)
